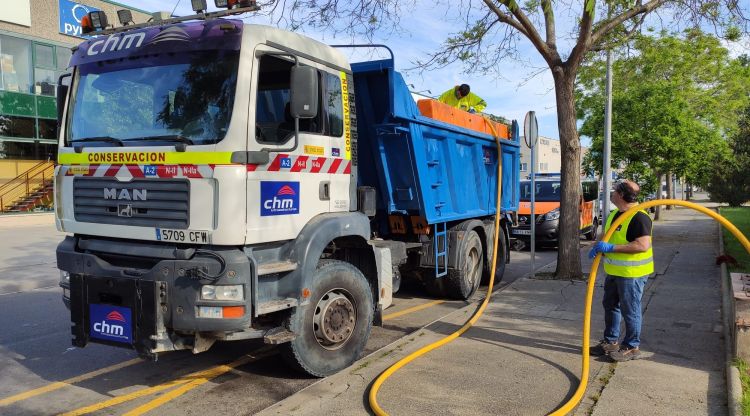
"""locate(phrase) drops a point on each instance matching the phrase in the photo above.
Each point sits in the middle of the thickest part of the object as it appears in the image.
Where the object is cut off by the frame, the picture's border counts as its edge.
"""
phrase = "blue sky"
(511, 95)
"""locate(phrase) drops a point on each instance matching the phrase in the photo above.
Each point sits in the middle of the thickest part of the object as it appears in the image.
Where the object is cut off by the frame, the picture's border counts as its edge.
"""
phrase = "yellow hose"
(578, 395)
(373, 397)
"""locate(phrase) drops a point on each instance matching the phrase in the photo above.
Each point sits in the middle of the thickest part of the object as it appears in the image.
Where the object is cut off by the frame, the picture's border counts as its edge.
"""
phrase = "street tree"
(728, 175)
(676, 101)
(489, 32)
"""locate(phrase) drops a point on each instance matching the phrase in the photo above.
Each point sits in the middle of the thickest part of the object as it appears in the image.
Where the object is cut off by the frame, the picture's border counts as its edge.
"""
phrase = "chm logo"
(286, 190)
(115, 316)
(170, 34)
(279, 198)
(111, 323)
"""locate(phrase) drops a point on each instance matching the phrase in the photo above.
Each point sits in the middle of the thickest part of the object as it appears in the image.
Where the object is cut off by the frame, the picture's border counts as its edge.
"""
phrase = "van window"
(546, 191)
(590, 190)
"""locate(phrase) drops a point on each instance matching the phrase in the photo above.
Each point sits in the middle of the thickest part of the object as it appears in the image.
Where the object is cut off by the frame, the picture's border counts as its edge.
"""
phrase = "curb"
(734, 385)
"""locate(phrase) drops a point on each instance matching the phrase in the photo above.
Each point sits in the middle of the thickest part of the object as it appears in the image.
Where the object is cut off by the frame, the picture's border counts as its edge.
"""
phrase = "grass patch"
(745, 380)
(740, 217)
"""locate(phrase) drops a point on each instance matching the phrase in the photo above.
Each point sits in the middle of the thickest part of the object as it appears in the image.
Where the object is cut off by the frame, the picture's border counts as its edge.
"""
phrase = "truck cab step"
(278, 336)
(275, 305)
(276, 267)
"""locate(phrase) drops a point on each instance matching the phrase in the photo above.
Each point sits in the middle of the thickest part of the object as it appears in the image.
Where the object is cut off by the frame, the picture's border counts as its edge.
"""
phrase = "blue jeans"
(622, 299)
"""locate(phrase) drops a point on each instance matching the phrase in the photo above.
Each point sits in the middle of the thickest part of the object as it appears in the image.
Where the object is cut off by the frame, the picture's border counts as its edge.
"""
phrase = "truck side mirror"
(304, 92)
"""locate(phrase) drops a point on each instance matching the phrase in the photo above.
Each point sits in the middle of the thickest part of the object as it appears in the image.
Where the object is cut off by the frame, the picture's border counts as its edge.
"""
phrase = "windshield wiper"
(180, 147)
(105, 139)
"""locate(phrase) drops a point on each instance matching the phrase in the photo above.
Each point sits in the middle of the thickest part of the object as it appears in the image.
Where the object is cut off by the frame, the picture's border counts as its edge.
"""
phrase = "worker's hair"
(464, 89)
(627, 193)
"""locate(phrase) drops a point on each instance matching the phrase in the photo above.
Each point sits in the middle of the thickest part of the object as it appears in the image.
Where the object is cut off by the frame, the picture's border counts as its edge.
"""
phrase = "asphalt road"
(43, 374)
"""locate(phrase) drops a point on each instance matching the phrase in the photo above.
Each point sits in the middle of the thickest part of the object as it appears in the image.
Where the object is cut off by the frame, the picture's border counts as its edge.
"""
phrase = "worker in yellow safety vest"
(462, 98)
(628, 261)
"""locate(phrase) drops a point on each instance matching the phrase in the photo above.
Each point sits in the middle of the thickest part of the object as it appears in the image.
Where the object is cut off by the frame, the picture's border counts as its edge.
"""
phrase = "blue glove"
(601, 247)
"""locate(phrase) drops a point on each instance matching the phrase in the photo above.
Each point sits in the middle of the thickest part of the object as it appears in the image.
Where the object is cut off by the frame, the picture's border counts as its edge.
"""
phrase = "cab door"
(289, 190)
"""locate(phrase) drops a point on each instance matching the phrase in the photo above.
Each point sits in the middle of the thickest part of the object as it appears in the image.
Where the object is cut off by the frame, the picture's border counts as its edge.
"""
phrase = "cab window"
(273, 120)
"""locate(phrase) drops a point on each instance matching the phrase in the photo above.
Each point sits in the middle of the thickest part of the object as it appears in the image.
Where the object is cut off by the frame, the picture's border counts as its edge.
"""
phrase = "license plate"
(110, 323)
(522, 232)
(182, 236)
(210, 312)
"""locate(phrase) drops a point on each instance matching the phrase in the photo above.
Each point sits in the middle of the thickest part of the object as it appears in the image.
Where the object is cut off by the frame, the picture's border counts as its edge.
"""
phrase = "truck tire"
(502, 253)
(333, 327)
(463, 281)
(592, 234)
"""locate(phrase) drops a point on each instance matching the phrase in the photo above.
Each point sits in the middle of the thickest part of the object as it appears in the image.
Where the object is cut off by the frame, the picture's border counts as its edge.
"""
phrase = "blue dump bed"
(422, 166)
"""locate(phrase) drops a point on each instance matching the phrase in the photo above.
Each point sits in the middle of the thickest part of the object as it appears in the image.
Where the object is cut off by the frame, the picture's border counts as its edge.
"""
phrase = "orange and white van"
(547, 209)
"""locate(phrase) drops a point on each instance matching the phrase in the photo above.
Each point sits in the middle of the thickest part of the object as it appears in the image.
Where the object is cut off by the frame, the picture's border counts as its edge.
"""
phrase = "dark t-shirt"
(639, 226)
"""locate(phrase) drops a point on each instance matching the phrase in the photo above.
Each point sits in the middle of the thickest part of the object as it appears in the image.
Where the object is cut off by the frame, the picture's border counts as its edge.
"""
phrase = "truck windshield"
(546, 191)
(152, 100)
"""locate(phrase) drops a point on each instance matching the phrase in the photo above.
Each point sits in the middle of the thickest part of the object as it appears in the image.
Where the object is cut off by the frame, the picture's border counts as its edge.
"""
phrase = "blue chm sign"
(71, 14)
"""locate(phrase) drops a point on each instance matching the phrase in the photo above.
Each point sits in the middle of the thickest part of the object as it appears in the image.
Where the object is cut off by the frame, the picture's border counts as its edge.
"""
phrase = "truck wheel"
(332, 329)
(463, 281)
(591, 235)
(502, 251)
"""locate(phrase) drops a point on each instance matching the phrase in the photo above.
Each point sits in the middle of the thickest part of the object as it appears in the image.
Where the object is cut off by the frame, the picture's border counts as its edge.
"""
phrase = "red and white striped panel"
(305, 164)
(141, 171)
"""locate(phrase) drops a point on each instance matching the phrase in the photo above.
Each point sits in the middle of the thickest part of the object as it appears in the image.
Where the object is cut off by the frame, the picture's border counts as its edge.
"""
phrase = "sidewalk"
(523, 356)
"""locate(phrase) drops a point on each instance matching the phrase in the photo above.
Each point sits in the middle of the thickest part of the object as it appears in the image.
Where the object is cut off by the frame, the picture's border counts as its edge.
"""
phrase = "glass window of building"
(63, 58)
(44, 56)
(15, 64)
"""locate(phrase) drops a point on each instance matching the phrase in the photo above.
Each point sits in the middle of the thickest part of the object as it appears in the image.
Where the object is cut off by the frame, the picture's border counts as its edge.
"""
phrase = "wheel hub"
(334, 320)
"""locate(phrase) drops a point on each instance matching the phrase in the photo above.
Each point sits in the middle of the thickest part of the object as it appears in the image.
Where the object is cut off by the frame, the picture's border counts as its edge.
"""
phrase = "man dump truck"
(224, 181)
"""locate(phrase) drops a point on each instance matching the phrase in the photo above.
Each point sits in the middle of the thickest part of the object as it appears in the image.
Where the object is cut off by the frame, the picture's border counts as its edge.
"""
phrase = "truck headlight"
(64, 278)
(224, 292)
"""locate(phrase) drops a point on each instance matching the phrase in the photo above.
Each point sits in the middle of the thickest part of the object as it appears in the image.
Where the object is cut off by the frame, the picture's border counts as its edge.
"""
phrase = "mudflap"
(134, 312)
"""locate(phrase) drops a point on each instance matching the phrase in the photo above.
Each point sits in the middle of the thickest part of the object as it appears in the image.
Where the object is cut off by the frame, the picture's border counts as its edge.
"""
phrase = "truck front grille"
(141, 202)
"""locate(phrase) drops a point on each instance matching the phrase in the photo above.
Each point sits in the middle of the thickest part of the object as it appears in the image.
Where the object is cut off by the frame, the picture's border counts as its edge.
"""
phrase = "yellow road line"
(124, 398)
(210, 374)
(194, 379)
(412, 309)
(60, 384)
(150, 390)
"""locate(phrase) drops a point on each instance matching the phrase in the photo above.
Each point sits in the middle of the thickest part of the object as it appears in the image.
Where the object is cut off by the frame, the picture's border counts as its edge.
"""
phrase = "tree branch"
(610, 24)
(584, 35)
(628, 35)
(527, 28)
(549, 23)
(505, 18)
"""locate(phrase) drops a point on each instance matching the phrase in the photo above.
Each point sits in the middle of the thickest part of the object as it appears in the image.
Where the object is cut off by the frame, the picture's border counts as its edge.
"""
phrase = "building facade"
(547, 156)
(36, 37)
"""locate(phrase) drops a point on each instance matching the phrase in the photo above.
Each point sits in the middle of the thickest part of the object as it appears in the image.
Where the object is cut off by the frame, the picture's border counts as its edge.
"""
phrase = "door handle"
(324, 191)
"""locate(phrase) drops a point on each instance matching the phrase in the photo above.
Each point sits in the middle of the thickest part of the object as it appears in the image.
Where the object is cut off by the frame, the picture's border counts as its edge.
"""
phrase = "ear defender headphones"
(627, 194)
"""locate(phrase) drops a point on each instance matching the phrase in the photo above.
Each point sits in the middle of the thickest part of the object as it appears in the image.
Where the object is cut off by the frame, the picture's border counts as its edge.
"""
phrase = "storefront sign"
(71, 14)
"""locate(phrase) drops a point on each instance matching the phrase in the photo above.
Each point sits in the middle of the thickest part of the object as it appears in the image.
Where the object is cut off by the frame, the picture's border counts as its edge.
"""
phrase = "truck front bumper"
(154, 303)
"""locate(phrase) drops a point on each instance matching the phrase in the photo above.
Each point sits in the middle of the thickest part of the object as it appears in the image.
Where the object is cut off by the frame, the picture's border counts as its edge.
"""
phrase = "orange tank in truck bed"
(434, 109)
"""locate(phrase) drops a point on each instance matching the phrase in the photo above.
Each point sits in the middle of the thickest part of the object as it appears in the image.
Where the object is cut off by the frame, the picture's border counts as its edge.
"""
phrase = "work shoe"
(604, 348)
(625, 354)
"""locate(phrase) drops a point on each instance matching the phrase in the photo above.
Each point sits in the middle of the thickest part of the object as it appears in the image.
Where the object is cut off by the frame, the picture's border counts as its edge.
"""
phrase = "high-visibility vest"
(464, 103)
(626, 264)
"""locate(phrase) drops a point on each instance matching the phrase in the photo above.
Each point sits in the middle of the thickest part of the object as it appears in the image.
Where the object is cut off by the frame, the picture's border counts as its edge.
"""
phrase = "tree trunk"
(568, 252)
(657, 213)
(670, 189)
